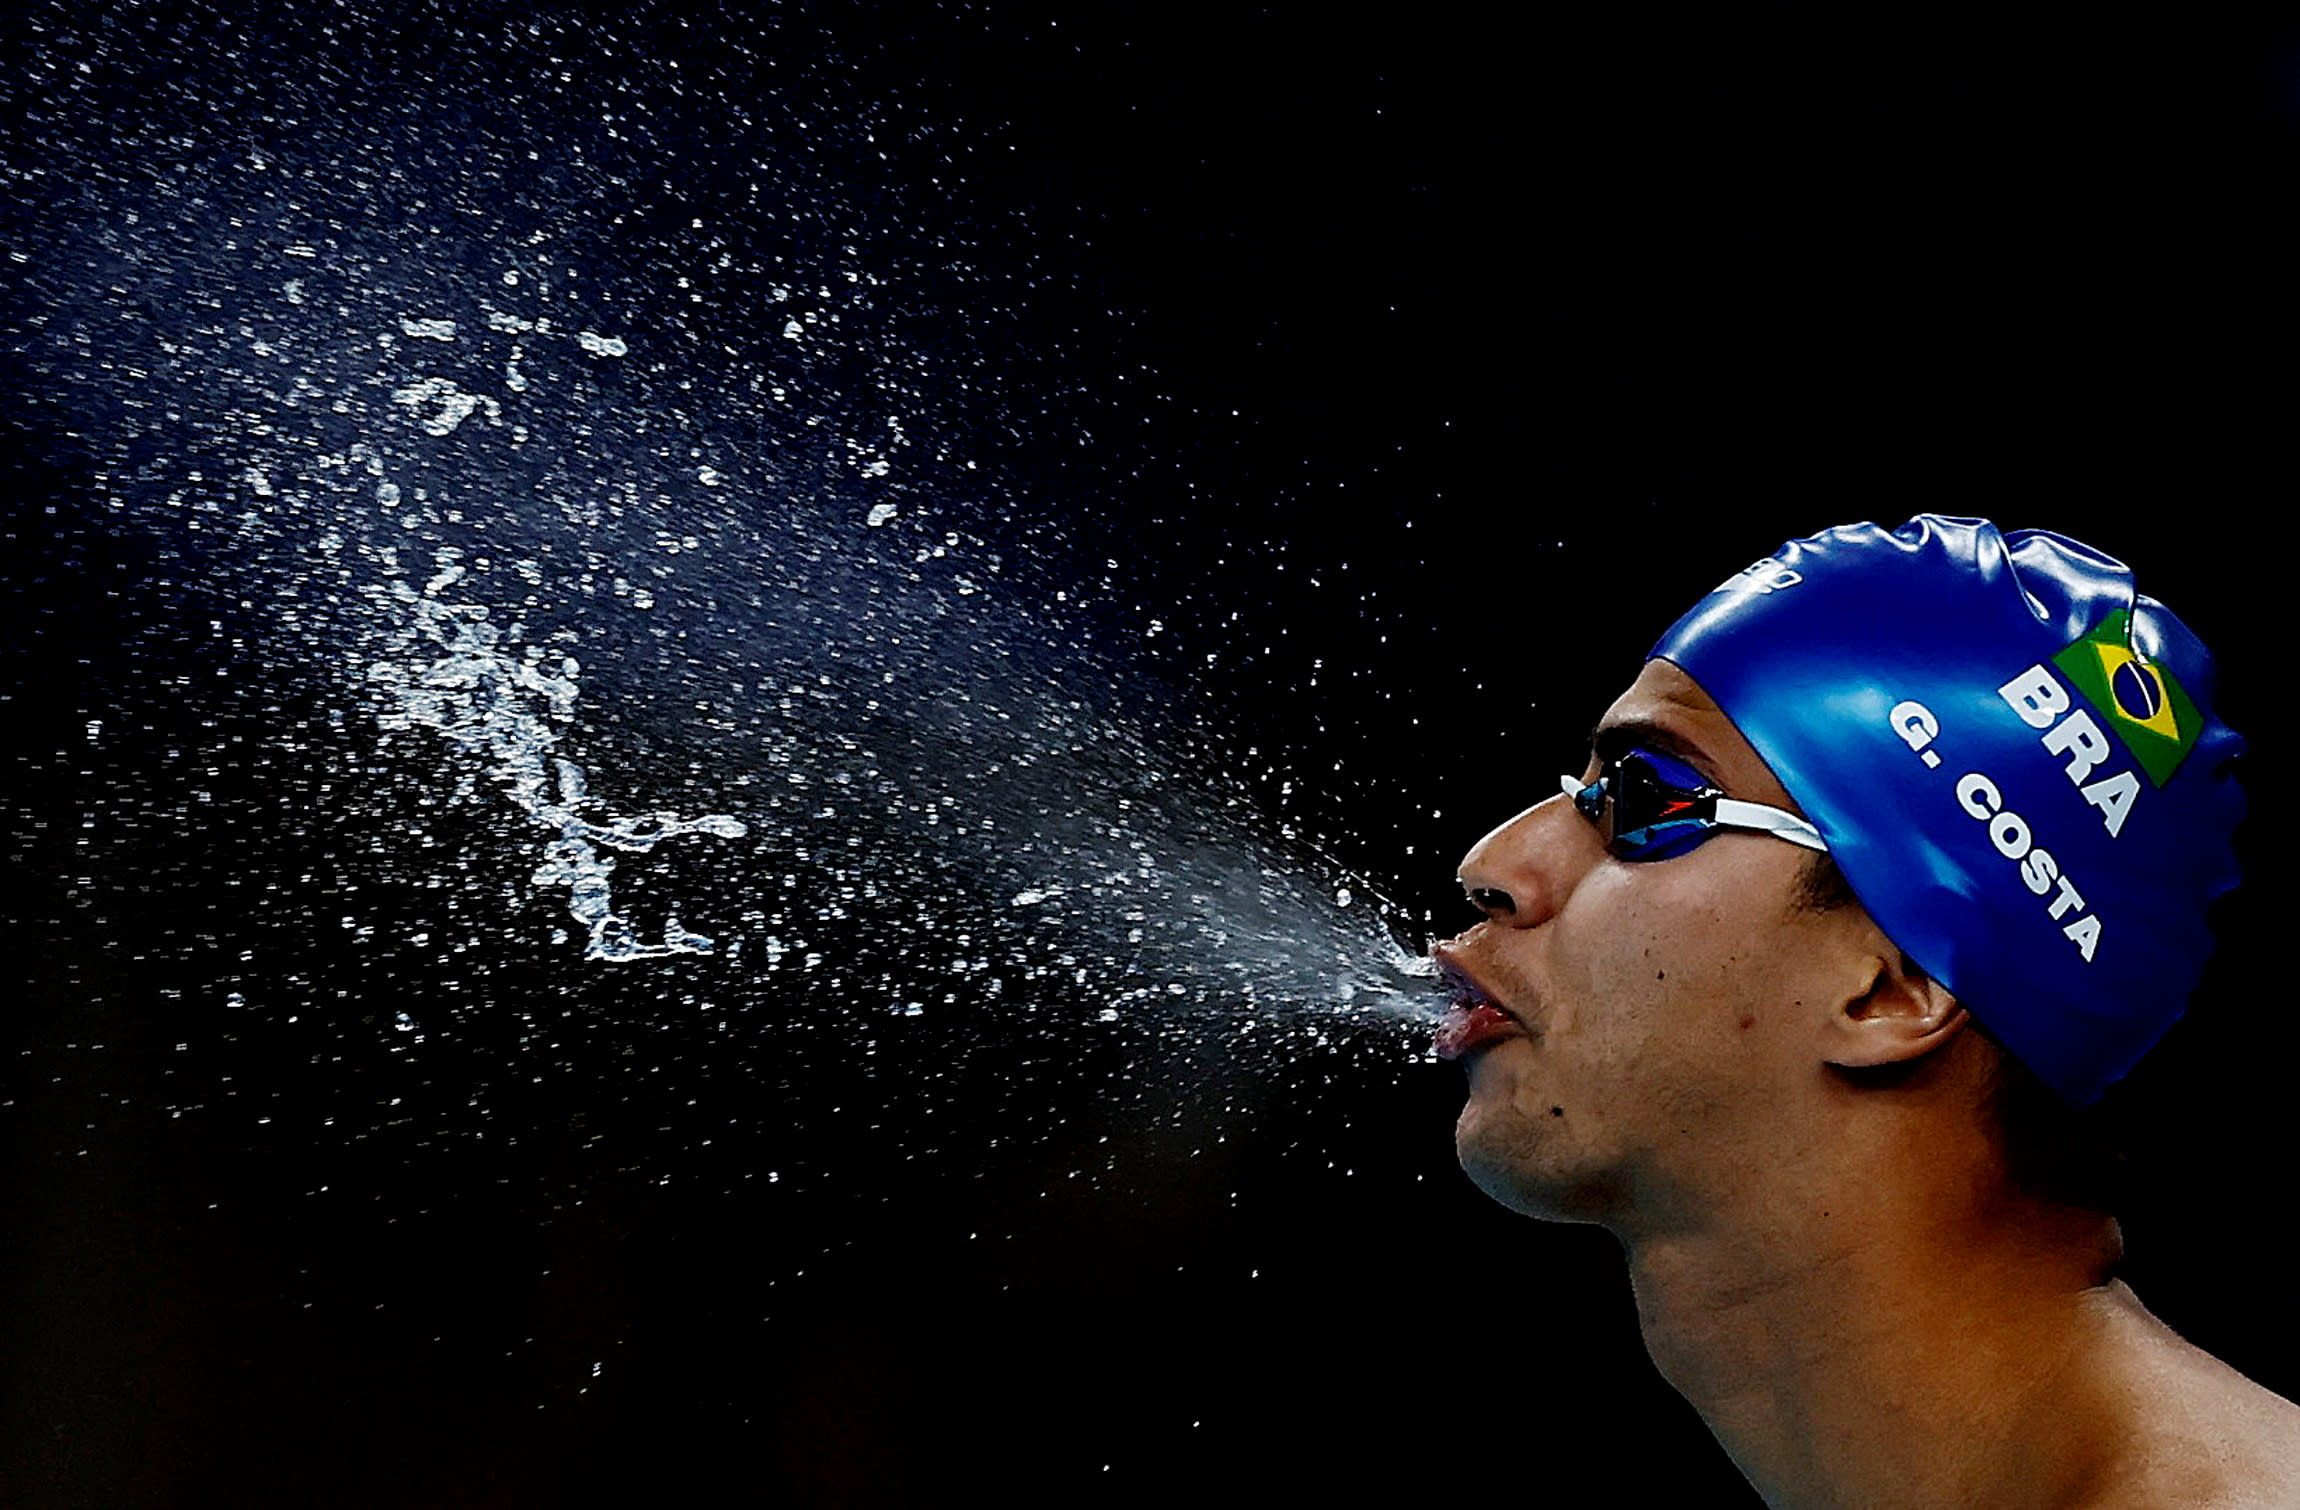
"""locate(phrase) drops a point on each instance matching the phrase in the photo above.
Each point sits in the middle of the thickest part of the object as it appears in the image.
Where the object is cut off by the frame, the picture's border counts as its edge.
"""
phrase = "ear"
(1900, 1015)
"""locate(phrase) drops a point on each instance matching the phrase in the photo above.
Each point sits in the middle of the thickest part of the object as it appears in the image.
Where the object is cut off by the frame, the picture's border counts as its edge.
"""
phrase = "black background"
(1531, 330)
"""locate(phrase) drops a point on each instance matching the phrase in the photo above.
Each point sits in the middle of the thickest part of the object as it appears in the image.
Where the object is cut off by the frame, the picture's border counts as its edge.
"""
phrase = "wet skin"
(1659, 1003)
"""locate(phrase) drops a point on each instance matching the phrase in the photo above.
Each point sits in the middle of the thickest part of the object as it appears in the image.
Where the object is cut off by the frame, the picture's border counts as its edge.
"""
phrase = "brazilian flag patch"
(2138, 699)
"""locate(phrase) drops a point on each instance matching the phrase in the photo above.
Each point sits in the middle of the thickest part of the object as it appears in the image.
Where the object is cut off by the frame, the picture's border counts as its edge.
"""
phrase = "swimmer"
(1895, 855)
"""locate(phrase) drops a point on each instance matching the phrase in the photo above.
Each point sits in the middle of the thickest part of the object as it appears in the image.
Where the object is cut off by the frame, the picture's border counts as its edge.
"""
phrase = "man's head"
(2027, 808)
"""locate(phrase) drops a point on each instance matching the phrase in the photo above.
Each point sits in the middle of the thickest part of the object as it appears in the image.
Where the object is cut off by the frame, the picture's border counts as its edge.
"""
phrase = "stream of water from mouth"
(619, 553)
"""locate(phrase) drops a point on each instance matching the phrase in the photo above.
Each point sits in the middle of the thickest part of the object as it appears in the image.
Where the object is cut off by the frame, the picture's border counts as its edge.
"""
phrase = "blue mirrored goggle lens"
(1661, 807)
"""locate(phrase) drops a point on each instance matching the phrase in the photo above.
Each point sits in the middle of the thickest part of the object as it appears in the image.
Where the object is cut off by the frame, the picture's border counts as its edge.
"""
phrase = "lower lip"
(1468, 1029)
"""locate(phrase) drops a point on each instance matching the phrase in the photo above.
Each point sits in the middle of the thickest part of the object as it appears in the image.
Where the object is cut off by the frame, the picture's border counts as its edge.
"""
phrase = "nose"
(1521, 873)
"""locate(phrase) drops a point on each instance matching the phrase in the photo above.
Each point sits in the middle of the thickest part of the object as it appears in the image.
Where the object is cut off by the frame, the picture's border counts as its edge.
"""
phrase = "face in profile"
(1636, 1030)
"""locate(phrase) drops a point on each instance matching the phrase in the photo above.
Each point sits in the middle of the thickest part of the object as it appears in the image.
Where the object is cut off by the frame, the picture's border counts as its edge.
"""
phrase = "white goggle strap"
(1770, 820)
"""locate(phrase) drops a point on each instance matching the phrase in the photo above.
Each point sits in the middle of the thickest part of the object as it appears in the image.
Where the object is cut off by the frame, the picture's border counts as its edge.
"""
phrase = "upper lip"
(1465, 987)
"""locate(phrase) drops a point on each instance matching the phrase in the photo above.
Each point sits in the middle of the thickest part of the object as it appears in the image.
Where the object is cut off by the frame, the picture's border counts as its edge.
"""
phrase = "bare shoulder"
(2202, 1434)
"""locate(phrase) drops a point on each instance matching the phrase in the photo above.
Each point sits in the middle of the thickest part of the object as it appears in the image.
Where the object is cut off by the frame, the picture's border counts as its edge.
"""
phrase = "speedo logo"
(1763, 576)
(2144, 704)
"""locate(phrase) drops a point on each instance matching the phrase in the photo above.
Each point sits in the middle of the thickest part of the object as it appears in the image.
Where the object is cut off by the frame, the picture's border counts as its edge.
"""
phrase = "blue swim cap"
(2014, 760)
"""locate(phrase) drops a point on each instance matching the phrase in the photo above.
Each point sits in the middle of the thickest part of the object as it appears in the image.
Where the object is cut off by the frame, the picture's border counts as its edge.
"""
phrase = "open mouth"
(1475, 1019)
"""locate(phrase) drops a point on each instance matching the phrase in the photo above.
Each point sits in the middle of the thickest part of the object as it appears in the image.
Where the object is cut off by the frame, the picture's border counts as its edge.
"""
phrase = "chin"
(1519, 1162)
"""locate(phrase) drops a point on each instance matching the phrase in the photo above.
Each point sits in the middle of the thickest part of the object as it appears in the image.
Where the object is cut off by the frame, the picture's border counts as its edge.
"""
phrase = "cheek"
(1617, 960)
(1660, 977)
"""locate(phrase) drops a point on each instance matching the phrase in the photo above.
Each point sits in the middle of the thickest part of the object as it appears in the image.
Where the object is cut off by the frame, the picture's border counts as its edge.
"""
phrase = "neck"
(1882, 1339)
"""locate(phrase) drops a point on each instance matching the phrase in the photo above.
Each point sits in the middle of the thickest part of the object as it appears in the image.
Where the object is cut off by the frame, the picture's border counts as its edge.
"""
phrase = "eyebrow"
(1609, 742)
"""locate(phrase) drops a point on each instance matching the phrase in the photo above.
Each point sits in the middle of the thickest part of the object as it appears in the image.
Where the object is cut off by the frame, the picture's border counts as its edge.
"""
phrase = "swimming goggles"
(1652, 806)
